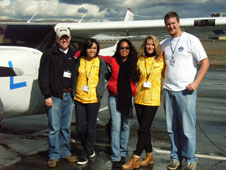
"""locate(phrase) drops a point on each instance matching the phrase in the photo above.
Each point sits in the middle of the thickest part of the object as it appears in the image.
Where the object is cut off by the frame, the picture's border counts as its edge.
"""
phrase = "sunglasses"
(64, 37)
(124, 48)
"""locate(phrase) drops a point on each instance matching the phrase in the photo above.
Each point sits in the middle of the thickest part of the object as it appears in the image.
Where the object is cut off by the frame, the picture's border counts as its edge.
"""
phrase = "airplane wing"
(19, 64)
(201, 27)
(27, 35)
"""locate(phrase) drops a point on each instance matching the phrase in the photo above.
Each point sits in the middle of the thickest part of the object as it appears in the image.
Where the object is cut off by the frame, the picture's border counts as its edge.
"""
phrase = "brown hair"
(171, 15)
(158, 49)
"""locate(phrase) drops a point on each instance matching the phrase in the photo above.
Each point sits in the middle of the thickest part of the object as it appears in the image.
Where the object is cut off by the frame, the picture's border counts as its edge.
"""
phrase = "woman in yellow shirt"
(88, 94)
(147, 99)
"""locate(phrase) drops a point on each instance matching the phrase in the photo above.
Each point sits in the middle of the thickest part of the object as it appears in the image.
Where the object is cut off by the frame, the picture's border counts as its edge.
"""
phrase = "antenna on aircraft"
(32, 17)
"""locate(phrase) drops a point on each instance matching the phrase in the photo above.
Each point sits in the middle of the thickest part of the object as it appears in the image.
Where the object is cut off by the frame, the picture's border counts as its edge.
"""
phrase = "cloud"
(49, 9)
(4, 3)
(104, 10)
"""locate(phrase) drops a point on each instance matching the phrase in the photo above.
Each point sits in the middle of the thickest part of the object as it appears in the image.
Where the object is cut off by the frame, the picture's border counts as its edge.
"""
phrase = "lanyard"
(148, 74)
(173, 51)
(87, 76)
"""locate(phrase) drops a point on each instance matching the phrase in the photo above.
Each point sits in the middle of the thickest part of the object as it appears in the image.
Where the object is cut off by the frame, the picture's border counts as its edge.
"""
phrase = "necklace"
(148, 74)
(172, 61)
(88, 75)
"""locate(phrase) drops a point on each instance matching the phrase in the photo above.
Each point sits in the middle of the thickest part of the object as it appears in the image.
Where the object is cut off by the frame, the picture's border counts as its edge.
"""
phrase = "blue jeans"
(119, 131)
(59, 122)
(86, 119)
(180, 108)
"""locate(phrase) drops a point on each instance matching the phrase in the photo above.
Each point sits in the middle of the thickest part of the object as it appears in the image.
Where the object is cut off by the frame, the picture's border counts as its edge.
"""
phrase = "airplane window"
(205, 22)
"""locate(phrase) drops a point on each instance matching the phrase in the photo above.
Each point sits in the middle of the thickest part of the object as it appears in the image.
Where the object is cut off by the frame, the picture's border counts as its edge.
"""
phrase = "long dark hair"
(88, 44)
(131, 60)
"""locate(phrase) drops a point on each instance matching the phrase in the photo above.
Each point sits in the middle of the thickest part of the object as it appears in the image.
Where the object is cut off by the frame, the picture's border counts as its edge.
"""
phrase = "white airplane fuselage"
(20, 93)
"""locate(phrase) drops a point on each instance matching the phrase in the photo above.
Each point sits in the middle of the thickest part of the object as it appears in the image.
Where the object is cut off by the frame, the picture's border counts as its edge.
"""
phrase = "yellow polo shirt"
(87, 68)
(149, 96)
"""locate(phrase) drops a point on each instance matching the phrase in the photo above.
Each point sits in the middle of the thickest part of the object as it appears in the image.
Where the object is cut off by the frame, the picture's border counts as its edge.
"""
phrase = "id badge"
(147, 84)
(67, 74)
(86, 88)
(172, 62)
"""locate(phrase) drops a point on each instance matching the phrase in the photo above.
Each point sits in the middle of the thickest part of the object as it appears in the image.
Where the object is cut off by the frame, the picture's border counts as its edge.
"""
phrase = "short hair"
(171, 14)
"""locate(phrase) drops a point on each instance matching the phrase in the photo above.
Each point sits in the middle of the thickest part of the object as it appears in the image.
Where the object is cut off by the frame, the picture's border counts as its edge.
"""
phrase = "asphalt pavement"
(23, 140)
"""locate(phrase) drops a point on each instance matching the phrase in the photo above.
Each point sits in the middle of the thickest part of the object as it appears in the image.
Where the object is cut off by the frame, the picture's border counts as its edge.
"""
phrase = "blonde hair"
(158, 49)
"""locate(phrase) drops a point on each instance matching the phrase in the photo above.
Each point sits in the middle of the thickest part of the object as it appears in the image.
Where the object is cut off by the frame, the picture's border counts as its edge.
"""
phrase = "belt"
(66, 90)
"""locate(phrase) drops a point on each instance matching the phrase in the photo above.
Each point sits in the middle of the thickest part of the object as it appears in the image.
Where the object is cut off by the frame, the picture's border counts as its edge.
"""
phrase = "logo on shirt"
(180, 49)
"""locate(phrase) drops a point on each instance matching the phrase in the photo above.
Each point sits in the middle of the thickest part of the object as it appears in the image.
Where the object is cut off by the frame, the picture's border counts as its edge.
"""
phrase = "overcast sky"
(107, 10)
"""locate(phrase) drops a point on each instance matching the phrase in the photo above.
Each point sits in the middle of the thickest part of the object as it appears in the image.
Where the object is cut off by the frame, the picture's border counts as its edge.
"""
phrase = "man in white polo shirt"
(182, 52)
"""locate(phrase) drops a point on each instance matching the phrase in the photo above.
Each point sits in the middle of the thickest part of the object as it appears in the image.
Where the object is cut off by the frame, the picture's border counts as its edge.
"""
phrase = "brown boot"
(52, 163)
(71, 158)
(149, 159)
(134, 162)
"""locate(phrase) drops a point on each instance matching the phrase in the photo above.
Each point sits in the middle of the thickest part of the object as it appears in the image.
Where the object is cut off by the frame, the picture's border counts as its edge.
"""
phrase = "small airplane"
(21, 47)
(22, 44)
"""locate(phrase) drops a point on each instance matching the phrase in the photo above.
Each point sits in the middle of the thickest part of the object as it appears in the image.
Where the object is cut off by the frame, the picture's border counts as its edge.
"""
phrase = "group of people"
(67, 76)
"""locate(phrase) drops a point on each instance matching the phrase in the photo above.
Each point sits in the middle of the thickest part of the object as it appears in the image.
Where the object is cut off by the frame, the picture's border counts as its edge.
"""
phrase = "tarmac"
(161, 144)
(24, 144)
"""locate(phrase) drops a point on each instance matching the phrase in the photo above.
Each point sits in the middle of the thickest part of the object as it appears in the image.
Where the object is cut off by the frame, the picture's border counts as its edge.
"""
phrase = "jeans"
(120, 128)
(180, 108)
(86, 119)
(59, 122)
(145, 117)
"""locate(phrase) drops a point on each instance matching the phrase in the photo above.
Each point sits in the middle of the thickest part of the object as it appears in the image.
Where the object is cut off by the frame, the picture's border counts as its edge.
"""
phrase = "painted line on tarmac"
(168, 152)
(163, 151)
(198, 155)
(103, 109)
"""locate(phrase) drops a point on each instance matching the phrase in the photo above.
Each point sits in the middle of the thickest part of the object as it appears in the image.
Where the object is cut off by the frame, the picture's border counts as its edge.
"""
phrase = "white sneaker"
(82, 160)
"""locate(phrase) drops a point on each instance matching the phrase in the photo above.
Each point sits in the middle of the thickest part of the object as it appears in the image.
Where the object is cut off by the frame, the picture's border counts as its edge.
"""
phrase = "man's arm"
(43, 77)
(202, 72)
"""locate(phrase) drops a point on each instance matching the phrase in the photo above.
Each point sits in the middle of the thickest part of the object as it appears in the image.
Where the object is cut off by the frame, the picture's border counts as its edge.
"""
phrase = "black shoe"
(116, 164)
(82, 160)
(123, 160)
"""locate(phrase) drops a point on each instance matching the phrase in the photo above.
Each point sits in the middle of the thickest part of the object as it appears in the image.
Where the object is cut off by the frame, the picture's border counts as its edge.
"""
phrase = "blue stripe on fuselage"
(16, 85)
